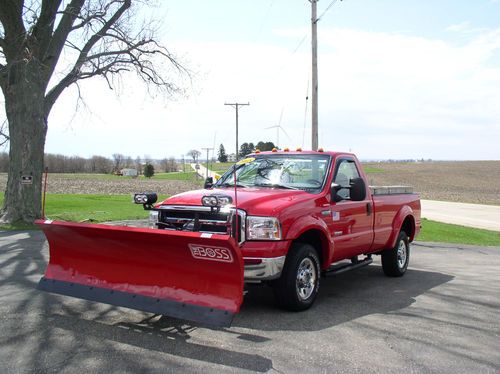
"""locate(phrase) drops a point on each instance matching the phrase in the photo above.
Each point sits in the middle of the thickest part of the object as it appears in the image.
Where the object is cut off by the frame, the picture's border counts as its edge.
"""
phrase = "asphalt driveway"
(442, 316)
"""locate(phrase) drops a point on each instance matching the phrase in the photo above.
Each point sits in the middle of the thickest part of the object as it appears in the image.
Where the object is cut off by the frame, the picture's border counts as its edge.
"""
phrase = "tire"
(298, 285)
(395, 261)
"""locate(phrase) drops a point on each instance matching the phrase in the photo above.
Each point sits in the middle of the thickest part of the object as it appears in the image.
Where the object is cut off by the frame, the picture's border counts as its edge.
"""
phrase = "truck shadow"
(341, 299)
(163, 336)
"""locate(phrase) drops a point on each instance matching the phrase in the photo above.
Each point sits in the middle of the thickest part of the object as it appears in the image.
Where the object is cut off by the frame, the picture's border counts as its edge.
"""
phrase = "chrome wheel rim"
(306, 279)
(402, 254)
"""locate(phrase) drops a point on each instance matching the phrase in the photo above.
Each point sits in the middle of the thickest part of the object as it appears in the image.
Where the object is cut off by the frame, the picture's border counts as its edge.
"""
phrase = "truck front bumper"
(263, 269)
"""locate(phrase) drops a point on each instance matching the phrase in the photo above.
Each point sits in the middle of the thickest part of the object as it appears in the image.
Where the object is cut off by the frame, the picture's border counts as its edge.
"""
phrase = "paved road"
(472, 215)
(202, 171)
(441, 317)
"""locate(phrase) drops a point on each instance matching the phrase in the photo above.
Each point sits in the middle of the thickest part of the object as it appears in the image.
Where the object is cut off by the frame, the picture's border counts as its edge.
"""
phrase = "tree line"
(57, 163)
(245, 149)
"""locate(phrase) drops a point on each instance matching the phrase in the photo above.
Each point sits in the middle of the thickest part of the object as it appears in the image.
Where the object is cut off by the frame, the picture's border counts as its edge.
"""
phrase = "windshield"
(302, 172)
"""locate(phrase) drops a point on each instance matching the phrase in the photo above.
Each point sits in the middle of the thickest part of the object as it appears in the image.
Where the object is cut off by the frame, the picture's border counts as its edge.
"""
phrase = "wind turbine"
(278, 127)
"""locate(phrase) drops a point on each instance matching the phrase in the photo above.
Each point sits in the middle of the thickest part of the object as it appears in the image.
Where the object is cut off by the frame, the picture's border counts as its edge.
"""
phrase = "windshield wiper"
(276, 185)
(227, 184)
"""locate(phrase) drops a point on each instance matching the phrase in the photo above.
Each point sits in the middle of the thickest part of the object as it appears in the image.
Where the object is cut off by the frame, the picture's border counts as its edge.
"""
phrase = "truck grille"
(201, 219)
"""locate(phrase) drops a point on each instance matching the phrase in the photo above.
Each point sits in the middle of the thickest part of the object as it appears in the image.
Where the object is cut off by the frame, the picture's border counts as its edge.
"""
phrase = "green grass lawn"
(433, 231)
(219, 167)
(371, 169)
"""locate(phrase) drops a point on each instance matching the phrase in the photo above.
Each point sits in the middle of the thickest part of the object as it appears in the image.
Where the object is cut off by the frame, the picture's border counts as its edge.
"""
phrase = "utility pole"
(236, 106)
(314, 101)
(207, 149)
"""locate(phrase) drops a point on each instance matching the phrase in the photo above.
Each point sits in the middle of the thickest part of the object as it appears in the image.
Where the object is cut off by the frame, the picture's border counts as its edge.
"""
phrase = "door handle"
(369, 209)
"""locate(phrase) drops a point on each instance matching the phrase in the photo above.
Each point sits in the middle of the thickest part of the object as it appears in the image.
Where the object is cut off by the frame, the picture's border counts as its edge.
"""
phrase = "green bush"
(149, 170)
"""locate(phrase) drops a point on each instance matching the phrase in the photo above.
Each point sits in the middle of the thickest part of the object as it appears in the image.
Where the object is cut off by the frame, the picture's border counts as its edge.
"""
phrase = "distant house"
(231, 157)
(129, 172)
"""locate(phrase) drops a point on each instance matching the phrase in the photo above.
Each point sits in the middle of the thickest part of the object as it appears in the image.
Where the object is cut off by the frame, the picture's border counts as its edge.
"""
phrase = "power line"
(326, 10)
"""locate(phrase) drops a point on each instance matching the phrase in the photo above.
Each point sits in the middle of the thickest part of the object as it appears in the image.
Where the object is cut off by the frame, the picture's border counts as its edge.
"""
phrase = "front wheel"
(395, 261)
(298, 285)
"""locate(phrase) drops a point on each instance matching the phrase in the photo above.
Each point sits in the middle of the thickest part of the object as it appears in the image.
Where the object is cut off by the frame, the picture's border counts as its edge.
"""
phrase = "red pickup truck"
(281, 218)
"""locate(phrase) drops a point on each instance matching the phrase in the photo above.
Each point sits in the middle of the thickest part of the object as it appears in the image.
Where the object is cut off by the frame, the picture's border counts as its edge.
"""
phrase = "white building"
(129, 172)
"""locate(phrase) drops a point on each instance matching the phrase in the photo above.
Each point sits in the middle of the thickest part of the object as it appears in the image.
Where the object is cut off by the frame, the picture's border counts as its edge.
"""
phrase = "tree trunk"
(27, 117)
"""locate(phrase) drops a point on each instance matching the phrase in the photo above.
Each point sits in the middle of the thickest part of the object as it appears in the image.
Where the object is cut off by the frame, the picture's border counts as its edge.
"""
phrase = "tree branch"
(72, 76)
(61, 34)
(3, 133)
(11, 18)
(42, 31)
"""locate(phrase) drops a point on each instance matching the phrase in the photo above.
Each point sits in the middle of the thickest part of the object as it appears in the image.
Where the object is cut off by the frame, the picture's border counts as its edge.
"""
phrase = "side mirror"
(358, 189)
(209, 182)
(335, 192)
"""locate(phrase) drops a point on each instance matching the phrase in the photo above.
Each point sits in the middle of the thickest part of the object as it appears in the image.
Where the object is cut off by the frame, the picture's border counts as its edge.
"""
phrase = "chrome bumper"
(268, 269)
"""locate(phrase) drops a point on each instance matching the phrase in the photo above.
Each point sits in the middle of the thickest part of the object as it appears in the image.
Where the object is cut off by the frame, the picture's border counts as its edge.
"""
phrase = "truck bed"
(391, 190)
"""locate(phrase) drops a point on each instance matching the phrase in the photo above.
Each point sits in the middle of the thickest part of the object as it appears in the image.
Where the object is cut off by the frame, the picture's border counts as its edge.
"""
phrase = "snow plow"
(182, 274)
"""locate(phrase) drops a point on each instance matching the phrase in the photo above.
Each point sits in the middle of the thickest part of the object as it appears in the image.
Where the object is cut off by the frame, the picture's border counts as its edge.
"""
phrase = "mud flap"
(188, 275)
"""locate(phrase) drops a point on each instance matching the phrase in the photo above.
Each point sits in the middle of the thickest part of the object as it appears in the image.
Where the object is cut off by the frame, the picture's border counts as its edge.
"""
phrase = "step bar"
(342, 268)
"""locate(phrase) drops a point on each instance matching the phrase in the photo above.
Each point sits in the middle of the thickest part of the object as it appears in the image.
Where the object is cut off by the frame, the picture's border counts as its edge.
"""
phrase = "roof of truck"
(299, 151)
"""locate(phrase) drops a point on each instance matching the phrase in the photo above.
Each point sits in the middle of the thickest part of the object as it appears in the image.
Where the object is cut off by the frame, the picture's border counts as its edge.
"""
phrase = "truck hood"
(256, 201)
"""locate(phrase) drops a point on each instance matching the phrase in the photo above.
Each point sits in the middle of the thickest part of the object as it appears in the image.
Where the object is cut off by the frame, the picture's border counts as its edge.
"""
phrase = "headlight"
(153, 219)
(263, 228)
(145, 198)
(214, 201)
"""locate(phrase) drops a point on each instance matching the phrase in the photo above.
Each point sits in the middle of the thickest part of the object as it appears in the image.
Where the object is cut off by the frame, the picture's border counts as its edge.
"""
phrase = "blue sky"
(398, 79)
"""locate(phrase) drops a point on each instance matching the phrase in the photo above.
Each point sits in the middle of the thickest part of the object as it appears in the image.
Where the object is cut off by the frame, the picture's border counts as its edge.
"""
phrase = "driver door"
(351, 223)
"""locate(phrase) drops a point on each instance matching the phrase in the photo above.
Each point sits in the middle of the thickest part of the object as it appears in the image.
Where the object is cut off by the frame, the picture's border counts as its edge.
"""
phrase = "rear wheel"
(299, 282)
(395, 261)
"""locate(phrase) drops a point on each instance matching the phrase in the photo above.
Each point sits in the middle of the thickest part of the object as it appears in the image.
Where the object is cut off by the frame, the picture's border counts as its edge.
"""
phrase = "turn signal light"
(252, 261)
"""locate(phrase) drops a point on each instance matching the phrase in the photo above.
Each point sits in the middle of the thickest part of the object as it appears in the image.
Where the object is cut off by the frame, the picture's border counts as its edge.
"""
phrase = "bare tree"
(194, 154)
(118, 160)
(104, 40)
(100, 164)
(168, 165)
(138, 164)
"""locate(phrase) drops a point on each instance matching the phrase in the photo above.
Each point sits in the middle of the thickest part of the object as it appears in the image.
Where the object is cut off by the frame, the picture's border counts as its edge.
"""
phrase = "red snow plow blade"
(188, 275)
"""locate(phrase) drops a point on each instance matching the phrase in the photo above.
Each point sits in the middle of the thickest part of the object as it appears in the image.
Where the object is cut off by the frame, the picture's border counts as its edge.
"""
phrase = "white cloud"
(459, 27)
